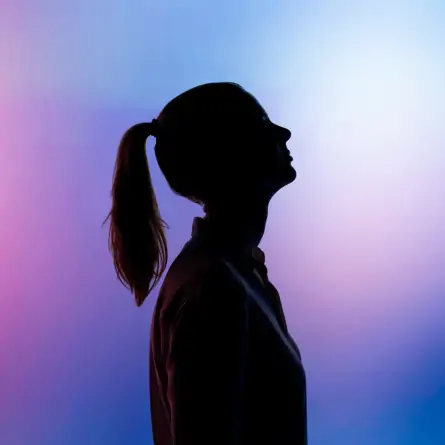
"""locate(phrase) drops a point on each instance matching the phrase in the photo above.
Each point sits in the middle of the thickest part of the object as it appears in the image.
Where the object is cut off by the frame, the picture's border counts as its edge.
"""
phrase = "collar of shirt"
(252, 260)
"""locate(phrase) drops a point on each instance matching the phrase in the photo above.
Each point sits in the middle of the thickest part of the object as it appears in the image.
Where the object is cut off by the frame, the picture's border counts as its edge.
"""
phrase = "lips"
(287, 153)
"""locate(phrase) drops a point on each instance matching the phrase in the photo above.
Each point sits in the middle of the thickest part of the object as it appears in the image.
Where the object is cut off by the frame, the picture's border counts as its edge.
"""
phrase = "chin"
(277, 178)
(287, 175)
(284, 177)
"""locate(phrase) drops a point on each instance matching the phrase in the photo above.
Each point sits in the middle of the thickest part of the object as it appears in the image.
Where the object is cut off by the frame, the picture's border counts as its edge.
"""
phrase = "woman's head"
(214, 143)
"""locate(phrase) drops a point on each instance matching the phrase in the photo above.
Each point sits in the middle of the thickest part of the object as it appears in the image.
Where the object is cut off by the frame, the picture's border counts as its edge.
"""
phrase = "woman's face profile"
(263, 147)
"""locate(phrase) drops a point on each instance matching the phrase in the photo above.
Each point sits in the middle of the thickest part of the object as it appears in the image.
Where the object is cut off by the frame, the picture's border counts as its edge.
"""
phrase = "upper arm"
(206, 362)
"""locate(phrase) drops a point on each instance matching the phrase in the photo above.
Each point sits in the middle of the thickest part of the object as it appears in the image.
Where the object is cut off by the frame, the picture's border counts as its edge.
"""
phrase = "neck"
(245, 221)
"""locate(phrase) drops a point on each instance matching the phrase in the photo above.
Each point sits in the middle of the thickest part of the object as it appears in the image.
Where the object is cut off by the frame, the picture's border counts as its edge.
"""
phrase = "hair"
(136, 236)
(137, 239)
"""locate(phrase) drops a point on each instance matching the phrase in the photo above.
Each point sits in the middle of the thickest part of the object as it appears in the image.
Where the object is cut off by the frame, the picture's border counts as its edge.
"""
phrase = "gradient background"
(356, 245)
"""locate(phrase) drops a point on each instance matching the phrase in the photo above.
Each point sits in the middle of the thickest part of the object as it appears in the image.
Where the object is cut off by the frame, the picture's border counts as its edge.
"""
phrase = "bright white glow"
(371, 106)
(370, 145)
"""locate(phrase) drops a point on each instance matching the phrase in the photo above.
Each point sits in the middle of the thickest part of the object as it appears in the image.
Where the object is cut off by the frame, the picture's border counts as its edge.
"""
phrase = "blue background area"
(356, 245)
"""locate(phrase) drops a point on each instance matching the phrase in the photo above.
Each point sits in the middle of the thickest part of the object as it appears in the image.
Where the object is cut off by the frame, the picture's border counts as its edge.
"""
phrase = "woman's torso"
(274, 390)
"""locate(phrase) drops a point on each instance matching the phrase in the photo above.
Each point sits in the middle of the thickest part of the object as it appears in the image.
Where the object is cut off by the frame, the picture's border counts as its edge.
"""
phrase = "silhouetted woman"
(223, 367)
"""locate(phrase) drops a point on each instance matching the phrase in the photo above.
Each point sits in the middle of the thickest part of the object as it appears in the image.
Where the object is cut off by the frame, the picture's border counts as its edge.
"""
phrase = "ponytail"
(137, 240)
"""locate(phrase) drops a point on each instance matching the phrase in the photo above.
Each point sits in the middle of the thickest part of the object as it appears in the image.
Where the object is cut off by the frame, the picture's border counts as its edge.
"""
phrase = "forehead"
(250, 108)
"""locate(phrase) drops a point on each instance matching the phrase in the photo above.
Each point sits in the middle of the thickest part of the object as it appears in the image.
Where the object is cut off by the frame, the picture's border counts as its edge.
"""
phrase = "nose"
(284, 134)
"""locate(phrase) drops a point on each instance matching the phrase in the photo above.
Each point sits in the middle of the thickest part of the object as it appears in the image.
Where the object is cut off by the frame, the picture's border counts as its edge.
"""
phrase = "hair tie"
(154, 127)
